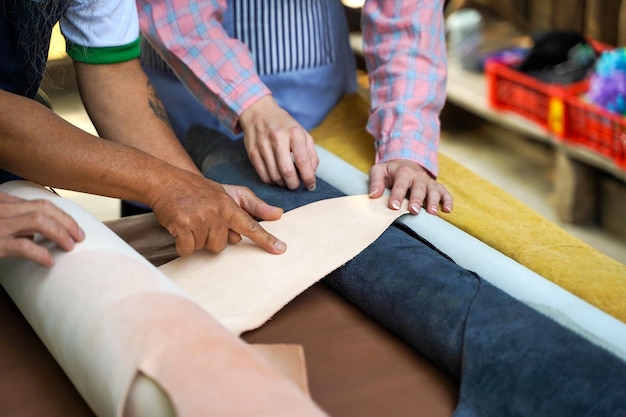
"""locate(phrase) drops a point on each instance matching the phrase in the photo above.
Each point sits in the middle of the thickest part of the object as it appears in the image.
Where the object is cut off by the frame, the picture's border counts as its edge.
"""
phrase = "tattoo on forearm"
(156, 105)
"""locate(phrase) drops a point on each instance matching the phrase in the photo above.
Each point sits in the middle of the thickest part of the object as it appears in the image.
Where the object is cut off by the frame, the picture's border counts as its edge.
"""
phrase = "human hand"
(272, 137)
(201, 213)
(409, 178)
(21, 219)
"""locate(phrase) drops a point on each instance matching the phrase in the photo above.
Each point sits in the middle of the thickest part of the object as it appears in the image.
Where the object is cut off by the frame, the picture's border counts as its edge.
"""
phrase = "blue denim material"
(510, 359)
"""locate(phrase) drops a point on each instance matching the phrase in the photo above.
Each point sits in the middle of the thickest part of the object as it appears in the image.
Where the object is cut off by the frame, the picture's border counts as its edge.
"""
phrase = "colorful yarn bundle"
(607, 85)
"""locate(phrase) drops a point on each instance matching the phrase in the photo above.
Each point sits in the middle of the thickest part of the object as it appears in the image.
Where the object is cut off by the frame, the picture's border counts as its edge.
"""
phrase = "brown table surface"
(355, 366)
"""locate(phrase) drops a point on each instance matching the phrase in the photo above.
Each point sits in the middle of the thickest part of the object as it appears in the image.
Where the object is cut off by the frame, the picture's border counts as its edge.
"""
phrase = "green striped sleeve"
(103, 55)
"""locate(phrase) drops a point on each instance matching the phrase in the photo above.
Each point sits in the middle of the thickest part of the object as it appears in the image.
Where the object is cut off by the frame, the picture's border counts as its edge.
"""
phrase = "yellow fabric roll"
(494, 217)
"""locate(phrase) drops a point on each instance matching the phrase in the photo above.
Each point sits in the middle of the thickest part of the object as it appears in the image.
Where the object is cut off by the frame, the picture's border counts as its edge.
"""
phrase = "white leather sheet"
(134, 342)
(131, 341)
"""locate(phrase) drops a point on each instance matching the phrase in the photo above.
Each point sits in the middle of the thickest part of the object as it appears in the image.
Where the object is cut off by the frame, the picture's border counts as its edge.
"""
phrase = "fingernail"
(48, 261)
(395, 204)
(280, 246)
(81, 233)
(311, 187)
(374, 191)
(448, 208)
(433, 209)
(415, 208)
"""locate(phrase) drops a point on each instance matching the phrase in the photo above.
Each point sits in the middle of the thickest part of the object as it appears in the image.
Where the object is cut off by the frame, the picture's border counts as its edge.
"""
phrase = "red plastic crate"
(560, 110)
(539, 102)
(595, 128)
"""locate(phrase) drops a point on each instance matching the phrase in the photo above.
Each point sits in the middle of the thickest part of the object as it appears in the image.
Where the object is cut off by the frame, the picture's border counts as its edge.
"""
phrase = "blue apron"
(302, 53)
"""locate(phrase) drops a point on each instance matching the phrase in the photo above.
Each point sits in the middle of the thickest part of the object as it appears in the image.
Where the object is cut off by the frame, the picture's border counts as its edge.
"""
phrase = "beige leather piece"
(201, 367)
(288, 359)
(243, 286)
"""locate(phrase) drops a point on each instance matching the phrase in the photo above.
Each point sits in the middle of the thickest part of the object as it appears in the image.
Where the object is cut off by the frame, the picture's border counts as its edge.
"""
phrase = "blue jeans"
(510, 359)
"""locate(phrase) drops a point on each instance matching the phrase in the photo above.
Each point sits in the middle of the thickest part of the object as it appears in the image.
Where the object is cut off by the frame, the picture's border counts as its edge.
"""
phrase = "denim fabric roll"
(510, 359)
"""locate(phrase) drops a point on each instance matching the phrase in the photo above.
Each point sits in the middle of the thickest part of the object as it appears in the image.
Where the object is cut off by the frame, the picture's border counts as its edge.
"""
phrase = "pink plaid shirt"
(404, 45)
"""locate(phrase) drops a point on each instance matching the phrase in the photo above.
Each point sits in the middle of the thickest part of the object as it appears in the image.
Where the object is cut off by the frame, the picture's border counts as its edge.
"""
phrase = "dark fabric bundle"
(559, 57)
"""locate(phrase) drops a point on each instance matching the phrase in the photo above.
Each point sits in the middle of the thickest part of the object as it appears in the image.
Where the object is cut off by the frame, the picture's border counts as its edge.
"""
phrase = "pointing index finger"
(247, 226)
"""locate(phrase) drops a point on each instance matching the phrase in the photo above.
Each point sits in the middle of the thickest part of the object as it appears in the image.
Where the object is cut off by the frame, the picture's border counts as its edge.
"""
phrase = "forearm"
(38, 145)
(125, 108)
(406, 58)
(226, 86)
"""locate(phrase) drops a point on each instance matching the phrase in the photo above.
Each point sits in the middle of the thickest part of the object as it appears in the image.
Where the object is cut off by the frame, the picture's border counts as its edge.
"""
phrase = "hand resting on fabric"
(21, 219)
(407, 178)
(272, 136)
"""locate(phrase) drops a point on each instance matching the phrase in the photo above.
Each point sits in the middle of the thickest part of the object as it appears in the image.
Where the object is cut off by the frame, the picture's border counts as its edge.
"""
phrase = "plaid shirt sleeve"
(217, 69)
(404, 44)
